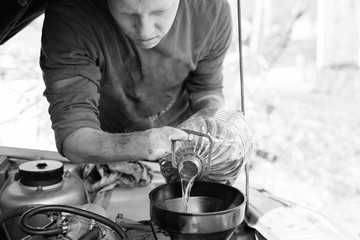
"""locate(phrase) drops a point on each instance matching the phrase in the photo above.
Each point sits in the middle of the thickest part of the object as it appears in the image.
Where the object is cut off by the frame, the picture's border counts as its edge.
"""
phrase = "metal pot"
(215, 211)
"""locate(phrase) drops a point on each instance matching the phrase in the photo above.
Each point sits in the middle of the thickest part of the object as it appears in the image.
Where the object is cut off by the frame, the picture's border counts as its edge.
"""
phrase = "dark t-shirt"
(97, 77)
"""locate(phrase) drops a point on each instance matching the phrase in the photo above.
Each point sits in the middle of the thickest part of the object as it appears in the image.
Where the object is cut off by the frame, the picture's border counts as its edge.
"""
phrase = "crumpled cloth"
(101, 179)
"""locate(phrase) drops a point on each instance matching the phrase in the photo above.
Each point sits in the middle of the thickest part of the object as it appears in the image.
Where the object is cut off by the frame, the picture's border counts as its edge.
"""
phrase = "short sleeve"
(206, 82)
(71, 75)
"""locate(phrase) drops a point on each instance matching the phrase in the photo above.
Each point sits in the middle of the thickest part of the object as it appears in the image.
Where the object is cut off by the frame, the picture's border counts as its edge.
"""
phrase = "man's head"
(146, 22)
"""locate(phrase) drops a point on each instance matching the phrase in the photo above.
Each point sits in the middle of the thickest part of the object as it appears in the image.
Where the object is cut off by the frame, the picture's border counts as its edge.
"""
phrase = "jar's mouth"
(190, 167)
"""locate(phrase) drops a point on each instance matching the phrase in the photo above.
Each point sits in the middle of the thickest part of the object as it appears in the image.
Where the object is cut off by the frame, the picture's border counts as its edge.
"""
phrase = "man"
(120, 74)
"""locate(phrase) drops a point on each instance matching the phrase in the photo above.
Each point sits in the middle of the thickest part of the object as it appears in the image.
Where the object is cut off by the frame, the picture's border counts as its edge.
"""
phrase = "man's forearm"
(87, 145)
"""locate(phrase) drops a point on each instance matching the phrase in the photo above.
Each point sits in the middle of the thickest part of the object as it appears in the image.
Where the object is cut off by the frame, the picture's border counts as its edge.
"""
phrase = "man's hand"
(158, 141)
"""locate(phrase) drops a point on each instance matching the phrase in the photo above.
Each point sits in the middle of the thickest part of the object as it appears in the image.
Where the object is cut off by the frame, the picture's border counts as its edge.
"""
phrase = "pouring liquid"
(188, 172)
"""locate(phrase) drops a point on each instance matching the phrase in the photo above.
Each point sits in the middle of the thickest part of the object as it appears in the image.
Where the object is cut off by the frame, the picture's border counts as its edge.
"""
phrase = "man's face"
(146, 22)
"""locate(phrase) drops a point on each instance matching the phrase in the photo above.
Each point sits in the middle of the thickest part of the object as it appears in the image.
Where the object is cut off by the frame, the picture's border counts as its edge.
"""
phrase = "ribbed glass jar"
(218, 150)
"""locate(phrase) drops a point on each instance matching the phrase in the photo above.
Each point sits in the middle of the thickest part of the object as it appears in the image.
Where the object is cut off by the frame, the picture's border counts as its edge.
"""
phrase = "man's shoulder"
(206, 5)
(207, 8)
(76, 6)
(76, 13)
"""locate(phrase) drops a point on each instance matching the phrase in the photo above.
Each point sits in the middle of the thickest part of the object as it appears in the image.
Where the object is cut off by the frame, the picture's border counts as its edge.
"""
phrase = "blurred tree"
(270, 37)
(338, 47)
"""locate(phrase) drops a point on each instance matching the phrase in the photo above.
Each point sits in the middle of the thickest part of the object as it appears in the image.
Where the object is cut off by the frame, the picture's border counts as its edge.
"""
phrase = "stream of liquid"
(188, 173)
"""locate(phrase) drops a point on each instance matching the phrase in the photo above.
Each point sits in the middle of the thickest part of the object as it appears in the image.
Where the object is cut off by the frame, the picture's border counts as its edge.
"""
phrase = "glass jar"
(220, 145)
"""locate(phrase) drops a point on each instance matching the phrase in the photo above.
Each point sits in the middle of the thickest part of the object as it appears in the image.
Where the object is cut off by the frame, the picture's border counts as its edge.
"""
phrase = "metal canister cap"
(41, 173)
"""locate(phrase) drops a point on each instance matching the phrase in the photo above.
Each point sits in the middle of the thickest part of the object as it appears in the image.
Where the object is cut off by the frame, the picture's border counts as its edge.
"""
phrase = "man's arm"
(206, 82)
(87, 145)
(203, 99)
